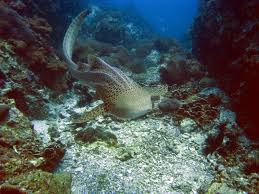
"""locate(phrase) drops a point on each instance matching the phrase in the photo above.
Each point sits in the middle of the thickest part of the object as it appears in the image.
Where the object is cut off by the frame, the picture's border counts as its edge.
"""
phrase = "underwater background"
(168, 18)
(149, 96)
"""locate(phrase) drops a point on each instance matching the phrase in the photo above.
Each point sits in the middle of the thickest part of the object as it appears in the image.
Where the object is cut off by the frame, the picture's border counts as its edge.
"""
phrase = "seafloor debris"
(91, 135)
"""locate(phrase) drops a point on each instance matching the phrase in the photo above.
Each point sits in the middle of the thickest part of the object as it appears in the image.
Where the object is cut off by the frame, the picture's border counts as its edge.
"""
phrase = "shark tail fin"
(70, 38)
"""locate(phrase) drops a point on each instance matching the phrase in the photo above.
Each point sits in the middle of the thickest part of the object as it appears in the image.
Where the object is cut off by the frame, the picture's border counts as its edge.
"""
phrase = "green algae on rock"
(41, 182)
(222, 188)
(126, 153)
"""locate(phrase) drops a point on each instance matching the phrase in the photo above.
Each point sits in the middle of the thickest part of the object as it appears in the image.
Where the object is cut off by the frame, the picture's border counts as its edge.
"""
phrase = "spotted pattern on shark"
(122, 96)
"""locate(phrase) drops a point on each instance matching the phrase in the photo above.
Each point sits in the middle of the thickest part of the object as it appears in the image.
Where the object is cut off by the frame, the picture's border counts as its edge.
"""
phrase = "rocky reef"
(30, 70)
(24, 158)
(29, 38)
(225, 40)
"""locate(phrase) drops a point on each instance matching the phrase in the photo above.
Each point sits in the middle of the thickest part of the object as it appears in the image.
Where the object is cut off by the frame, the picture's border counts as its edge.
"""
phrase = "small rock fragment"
(92, 135)
(188, 125)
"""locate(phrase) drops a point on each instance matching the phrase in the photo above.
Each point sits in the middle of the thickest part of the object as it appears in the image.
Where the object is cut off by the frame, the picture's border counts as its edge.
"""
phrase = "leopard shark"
(122, 96)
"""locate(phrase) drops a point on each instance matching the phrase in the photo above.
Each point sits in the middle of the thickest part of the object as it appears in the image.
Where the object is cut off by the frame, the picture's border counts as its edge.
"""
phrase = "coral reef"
(225, 40)
(56, 12)
(21, 84)
(182, 92)
(202, 110)
(187, 101)
(21, 152)
(29, 38)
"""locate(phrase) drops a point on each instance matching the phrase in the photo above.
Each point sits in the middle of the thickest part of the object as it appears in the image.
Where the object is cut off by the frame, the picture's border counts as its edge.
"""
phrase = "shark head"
(122, 96)
(130, 105)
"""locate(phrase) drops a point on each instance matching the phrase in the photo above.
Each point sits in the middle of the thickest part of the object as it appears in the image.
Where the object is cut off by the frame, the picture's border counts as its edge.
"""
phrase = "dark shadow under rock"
(164, 44)
(252, 165)
(4, 112)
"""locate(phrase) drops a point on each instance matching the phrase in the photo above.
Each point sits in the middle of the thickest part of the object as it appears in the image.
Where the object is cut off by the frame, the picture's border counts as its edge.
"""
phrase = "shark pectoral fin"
(89, 115)
(159, 90)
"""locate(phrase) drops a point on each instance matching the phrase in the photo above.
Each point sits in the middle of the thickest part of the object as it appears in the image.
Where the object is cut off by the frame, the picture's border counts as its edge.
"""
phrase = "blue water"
(171, 18)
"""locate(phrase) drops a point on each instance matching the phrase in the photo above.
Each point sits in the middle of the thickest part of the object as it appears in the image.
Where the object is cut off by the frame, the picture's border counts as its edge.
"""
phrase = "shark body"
(122, 97)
